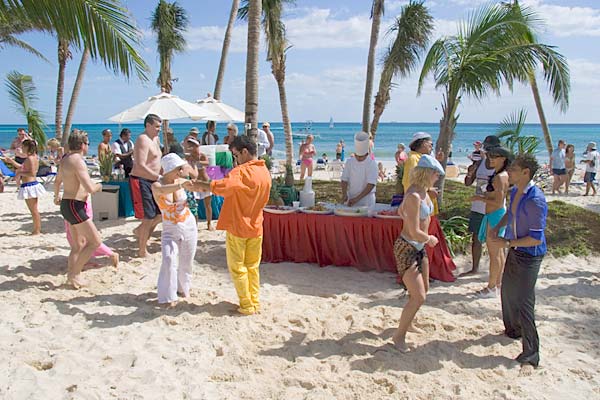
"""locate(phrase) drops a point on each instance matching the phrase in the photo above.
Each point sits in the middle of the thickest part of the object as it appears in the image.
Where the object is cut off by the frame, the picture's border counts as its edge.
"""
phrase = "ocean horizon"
(389, 135)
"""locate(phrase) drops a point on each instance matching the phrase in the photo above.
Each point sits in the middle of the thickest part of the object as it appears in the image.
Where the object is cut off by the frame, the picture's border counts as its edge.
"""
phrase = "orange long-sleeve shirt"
(246, 192)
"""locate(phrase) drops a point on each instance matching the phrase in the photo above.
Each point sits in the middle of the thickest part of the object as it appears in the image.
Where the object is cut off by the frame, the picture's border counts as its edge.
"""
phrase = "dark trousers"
(518, 302)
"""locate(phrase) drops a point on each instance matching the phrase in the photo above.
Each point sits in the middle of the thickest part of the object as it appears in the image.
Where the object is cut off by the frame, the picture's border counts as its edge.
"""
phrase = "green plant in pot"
(268, 161)
(274, 196)
(106, 161)
(289, 175)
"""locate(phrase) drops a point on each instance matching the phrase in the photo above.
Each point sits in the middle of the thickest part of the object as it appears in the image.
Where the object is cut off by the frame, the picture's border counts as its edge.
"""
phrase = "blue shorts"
(557, 171)
(589, 177)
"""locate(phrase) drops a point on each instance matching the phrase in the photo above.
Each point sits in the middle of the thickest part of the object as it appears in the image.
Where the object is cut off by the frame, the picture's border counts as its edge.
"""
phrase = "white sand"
(321, 335)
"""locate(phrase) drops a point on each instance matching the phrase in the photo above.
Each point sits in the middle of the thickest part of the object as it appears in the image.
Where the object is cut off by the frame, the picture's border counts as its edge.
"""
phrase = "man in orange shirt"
(245, 191)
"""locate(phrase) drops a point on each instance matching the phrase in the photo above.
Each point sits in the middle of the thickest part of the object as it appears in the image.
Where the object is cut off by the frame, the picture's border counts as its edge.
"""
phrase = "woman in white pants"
(179, 235)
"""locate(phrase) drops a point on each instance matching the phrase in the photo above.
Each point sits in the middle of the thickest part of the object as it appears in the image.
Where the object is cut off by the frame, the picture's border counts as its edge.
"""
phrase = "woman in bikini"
(180, 234)
(409, 249)
(569, 165)
(494, 198)
(307, 152)
(30, 189)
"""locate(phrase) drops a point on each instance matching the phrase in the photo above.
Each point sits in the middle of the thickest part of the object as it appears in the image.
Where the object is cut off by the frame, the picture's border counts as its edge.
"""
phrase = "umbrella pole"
(165, 140)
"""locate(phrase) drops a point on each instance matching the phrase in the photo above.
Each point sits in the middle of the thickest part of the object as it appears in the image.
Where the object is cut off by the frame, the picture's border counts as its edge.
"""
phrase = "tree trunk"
(287, 126)
(74, 96)
(63, 55)
(254, 13)
(447, 125)
(380, 102)
(377, 11)
(226, 42)
(540, 110)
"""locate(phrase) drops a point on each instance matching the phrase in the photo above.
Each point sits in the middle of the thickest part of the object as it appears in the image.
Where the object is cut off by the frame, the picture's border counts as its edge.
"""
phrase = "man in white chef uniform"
(360, 175)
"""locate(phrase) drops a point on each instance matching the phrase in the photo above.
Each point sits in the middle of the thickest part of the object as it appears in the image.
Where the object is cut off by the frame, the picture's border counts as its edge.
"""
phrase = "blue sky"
(326, 66)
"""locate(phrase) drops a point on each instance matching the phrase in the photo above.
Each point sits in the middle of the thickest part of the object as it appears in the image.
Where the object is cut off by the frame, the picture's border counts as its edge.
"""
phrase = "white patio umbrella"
(224, 112)
(166, 106)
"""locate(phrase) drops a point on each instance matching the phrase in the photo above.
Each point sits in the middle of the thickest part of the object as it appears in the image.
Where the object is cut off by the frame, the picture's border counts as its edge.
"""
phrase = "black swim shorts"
(73, 211)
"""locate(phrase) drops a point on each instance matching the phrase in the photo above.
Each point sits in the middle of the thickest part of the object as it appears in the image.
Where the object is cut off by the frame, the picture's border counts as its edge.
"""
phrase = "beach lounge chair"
(46, 174)
(6, 172)
(335, 169)
(321, 164)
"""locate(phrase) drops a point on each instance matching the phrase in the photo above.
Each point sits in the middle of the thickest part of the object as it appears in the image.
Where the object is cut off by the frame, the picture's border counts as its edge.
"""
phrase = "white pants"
(178, 243)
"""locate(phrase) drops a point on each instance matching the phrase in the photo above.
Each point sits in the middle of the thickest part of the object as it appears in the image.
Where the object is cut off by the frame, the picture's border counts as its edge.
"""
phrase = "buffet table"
(362, 242)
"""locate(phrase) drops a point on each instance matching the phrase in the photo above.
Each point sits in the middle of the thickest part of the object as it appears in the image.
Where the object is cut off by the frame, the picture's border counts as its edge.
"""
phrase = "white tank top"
(482, 177)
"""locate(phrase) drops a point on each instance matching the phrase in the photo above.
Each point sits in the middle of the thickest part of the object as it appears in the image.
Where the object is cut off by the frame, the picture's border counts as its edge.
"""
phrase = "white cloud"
(564, 21)
(313, 29)
(211, 38)
(318, 29)
(584, 73)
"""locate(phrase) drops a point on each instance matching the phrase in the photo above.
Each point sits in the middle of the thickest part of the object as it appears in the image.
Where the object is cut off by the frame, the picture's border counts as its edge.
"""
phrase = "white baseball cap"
(419, 135)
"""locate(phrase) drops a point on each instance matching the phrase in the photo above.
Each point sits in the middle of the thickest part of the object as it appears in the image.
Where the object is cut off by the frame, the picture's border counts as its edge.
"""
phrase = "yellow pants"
(243, 260)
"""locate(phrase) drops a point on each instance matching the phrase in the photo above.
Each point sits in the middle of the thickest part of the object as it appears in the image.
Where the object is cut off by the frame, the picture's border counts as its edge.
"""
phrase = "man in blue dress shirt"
(526, 221)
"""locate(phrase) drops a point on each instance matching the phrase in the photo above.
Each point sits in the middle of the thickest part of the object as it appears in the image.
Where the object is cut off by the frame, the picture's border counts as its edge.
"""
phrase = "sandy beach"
(322, 334)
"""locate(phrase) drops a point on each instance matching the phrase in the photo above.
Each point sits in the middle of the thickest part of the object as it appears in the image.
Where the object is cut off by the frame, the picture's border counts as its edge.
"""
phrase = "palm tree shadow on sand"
(146, 308)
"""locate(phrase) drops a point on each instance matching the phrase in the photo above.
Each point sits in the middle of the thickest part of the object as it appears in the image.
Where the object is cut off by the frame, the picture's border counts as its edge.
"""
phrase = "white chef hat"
(361, 143)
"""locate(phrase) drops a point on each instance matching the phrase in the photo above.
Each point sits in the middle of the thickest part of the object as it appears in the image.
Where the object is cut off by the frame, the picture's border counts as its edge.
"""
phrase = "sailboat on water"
(331, 126)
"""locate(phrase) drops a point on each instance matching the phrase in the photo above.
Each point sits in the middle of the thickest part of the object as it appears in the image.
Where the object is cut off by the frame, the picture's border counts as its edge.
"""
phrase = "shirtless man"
(146, 171)
(77, 187)
(104, 146)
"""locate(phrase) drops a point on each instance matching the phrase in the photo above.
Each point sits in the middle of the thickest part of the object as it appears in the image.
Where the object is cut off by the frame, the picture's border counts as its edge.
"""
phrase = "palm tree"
(413, 28)
(376, 13)
(75, 94)
(64, 54)
(22, 93)
(510, 130)
(169, 22)
(560, 86)
(226, 42)
(254, 12)
(277, 46)
(487, 52)
(104, 27)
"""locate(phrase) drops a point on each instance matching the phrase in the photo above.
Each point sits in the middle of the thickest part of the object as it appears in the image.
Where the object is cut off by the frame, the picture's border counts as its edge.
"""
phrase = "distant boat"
(304, 132)
(331, 126)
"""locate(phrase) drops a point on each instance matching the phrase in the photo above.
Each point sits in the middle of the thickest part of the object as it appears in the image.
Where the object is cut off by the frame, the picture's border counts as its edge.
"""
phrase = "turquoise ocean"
(388, 135)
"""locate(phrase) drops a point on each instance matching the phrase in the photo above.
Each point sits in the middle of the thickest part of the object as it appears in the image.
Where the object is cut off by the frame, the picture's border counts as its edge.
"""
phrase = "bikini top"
(174, 212)
(425, 209)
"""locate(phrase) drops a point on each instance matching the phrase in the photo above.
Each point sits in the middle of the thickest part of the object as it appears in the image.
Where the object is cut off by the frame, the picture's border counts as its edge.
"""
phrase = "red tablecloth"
(361, 242)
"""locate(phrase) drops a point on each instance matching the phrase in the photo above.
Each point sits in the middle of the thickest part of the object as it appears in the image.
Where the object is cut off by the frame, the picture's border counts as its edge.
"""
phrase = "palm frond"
(103, 26)
(22, 93)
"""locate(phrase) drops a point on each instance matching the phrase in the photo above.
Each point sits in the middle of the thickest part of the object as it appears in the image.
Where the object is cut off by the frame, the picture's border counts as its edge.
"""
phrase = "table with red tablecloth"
(362, 242)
